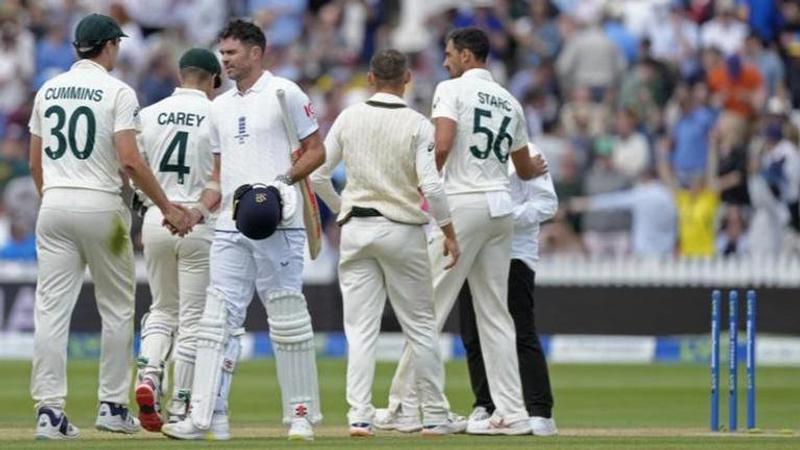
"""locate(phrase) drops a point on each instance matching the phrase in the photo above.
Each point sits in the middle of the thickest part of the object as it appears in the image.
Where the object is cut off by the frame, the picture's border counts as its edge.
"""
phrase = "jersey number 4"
(177, 143)
(493, 141)
(63, 141)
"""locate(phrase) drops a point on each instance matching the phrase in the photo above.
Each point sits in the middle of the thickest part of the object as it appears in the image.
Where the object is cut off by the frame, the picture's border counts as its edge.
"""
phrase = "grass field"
(597, 407)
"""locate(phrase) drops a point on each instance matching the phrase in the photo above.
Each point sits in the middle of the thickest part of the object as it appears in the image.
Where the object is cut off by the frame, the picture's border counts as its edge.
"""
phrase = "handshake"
(180, 220)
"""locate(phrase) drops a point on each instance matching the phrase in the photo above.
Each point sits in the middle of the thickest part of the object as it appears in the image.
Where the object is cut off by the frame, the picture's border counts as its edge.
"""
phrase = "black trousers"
(532, 365)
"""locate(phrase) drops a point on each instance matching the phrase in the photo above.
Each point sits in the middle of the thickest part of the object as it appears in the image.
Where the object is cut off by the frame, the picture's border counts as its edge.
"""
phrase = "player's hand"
(539, 165)
(451, 249)
(177, 219)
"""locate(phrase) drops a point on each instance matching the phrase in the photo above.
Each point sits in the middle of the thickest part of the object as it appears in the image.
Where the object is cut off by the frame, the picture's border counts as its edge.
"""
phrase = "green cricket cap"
(201, 58)
(94, 30)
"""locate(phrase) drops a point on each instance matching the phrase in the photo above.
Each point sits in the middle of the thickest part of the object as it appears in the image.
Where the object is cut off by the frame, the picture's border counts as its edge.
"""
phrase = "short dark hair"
(388, 65)
(472, 39)
(93, 52)
(196, 74)
(246, 32)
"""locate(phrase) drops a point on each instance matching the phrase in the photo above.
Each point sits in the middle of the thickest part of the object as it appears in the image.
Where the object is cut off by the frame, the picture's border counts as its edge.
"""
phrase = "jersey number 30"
(493, 141)
(180, 167)
(61, 117)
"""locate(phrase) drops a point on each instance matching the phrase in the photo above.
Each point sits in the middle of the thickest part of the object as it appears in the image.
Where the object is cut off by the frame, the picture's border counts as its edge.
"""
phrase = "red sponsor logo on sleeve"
(309, 110)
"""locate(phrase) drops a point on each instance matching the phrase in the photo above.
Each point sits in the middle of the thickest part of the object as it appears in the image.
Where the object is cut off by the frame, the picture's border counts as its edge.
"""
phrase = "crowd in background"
(669, 125)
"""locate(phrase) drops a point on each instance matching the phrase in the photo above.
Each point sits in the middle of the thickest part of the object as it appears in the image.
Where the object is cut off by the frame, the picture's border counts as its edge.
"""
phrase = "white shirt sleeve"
(321, 178)
(35, 122)
(445, 101)
(302, 111)
(429, 180)
(126, 111)
(538, 203)
(213, 134)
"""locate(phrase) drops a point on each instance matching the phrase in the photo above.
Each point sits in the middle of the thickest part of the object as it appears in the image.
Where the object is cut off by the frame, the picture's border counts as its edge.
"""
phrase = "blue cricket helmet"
(257, 210)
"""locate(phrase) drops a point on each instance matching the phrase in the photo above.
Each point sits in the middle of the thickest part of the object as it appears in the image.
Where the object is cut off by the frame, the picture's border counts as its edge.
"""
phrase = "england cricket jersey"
(175, 141)
(248, 134)
(491, 125)
(76, 114)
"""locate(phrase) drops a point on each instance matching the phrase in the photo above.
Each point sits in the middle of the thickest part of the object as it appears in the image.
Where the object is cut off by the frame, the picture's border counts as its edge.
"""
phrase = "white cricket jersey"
(535, 201)
(76, 114)
(175, 141)
(247, 132)
(491, 125)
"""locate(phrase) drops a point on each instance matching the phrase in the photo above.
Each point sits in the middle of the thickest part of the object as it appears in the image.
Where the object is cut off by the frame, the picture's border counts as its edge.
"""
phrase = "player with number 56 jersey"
(83, 134)
(479, 126)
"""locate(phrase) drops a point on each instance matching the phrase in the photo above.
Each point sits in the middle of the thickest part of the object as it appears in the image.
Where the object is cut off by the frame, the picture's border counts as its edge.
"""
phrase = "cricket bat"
(310, 207)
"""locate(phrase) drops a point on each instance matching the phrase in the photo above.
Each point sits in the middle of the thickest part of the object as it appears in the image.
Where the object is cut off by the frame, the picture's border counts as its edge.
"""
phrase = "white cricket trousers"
(380, 257)
(485, 244)
(76, 228)
(177, 268)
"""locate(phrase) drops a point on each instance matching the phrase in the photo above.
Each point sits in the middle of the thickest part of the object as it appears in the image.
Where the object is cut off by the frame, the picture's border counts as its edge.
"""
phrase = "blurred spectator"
(537, 33)
(17, 67)
(606, 232)
(160, 79)
(780, 166)
(675, 39)
(631, 151)
(761, 55)
(13, 156)
(613, 27)
(591, 59)
(732, 240)
(582, 116)
(652, 207)
(764, 17)
(644, 91)
(54, 53)
(688, 139)
(21, 245)
(724, 31)
(697, 206)
(282, 20)
(731, 156)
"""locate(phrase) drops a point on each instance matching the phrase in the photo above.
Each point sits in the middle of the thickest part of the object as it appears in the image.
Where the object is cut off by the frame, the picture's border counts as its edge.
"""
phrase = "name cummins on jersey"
(76, 114)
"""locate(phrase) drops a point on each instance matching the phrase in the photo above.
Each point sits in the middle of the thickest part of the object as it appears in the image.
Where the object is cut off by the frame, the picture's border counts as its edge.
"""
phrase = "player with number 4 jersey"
(175, 141)
(83, 134)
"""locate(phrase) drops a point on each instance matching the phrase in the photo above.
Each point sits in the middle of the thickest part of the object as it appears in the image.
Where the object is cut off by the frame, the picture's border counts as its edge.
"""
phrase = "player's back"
(175, 141)
(76, 114)
(491, 124)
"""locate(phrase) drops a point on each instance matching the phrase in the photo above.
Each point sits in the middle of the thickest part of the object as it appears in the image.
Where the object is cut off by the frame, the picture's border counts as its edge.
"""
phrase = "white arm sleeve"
(213, 134)
(429, 180)
(126, 111)
(301, 111)
(445, 101)
(321, 178)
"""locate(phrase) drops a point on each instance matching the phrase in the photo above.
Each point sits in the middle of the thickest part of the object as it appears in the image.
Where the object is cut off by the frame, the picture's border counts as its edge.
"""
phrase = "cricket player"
(175, 142)
(387, 149)
(534, 202)
(478, 125)
(83, 134)
(249, 136)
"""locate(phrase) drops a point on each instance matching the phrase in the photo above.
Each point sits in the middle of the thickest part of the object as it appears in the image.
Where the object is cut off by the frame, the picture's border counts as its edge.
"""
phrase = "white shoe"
(116, 418)
(479, 413)
(496, 425)
(394, 420)
(454, 424)
(185, 429)
(53, 424)
(542, 426)
(300, 429)
(361, 429)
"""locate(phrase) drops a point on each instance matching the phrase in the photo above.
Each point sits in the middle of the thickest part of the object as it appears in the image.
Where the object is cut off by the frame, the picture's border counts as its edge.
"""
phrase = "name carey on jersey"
(494, 101)
(180, 118)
